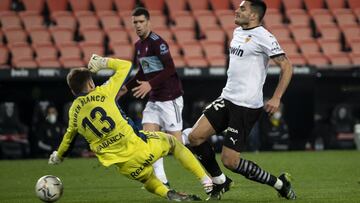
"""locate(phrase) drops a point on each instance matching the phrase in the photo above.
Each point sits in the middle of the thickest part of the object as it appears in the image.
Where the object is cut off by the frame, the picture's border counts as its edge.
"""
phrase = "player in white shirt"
(241, 102)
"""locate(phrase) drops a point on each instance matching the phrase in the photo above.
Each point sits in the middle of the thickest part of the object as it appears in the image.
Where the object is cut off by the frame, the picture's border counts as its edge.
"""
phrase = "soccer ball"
(49, 188)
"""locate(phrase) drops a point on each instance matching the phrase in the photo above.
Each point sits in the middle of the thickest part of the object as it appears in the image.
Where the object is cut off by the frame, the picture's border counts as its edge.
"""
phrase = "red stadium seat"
(322, 18)
(206, 22)
(184, 35)
(21, 51)
(184, 21)
(175, 6)
(192, 49)
(355, 45)
(71, 62)
(198, 5)
(4, 55)
(64, 19)
(301, 33)
(196, 62)
(273, 19)
(45, 51)
(132, 36)
(32, 21)
(280, 32)
(335, 4)
(296, 59)
(344, 17)
(235, 3)
(158, 21)
(220, 4)
(48, 63)
(298, 17)
(93, 35)
(15, 35)
(179, 62)
(314, 4)
(330, 46)
(330, 32)
(79, 5)
(118, 35)
(166, 34)
(309, 46)
(39, 36)
(271, 4)
(292, 4)
(214, 35)
(350, 33)
(318, 60)
(91, 48)
(87, 20)
(25, 63)
(57, 5)
(62, 35)
(127, 5)
(355, 58)
(154, 5)
(289, 47)
(353, 4)
(127, 19)
(218, 61)
(339, 59)
(174, 49)
(69, 51)
(5, 5)
(34, 5)
(227, 21)
(102, 5)
(10, 20)
(123, 51)
(213, 49)
(110, 20)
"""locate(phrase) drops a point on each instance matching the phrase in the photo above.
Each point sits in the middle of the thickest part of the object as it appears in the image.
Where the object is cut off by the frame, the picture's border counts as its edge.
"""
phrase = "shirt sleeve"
(162, 51)
(69, 136)
(271, 46)
(113, 85)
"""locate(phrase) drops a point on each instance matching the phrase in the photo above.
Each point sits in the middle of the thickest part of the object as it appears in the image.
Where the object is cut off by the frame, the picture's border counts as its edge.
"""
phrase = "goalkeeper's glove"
(97, 63)
(54, 159)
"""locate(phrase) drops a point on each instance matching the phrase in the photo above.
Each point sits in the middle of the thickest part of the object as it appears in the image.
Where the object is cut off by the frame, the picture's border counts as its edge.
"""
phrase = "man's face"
(242, 14)
(141, 25)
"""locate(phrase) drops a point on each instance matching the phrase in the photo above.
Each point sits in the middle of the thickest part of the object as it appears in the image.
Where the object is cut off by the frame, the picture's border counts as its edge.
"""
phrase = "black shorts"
(237, 120)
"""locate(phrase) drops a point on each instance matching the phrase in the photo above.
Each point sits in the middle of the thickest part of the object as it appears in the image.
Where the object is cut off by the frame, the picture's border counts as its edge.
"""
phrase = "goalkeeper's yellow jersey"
(97, 117)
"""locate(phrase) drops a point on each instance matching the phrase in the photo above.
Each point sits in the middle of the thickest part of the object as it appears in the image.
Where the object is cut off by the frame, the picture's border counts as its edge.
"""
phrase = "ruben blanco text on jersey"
(236, 51)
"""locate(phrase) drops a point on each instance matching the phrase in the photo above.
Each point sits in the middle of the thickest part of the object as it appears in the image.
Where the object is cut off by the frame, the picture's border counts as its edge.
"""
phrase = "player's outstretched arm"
(97, 63)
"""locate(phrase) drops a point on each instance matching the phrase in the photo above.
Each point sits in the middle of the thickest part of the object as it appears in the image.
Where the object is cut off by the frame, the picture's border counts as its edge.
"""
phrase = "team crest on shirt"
(138, 52)
(163, 49)
(247, 39)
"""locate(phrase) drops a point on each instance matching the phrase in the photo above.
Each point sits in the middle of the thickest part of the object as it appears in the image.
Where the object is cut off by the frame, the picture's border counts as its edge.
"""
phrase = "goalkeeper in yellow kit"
(94, 114)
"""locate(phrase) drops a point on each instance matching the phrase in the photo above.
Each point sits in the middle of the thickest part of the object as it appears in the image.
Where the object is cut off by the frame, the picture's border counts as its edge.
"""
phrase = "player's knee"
(230, 162)
(194, 139)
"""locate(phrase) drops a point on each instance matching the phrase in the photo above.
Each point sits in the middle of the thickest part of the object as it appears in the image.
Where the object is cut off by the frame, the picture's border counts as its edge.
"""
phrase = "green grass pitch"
(328, 176)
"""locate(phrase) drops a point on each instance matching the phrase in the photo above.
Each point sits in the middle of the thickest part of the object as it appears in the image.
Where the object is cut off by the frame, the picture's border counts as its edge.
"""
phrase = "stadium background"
(41, 39)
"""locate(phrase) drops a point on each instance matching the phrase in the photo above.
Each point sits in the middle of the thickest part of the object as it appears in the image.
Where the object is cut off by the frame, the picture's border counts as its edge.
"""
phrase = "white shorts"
(167, 114)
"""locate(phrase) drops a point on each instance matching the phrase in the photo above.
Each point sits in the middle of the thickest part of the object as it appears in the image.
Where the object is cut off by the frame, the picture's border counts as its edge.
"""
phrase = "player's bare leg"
(198, 137)
(159, 164)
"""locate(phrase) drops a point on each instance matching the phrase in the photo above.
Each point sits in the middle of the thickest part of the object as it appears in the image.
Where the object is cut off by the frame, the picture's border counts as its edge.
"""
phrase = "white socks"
(219, 179)
(185, 136)
(278, 185)
(159, 170)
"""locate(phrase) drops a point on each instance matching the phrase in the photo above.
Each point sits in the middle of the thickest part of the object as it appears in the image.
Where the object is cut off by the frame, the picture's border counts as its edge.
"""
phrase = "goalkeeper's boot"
(286, 191)
(179, 197)
(219, 189)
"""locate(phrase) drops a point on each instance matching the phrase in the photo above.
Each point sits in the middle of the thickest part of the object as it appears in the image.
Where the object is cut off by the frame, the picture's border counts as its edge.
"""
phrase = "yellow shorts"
(139, 167)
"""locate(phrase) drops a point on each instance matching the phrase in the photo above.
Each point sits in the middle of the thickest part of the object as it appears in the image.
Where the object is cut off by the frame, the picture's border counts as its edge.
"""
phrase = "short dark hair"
(77, 79)
(259, 7)
(141, 11)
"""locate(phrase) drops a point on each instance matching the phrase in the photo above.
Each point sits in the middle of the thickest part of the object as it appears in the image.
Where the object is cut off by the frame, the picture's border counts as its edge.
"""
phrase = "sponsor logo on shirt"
(163, 49)
(147, 162)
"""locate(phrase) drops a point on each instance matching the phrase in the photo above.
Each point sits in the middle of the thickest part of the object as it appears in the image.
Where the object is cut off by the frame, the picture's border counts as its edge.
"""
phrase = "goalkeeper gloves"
(97, 63)
(54, 159)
